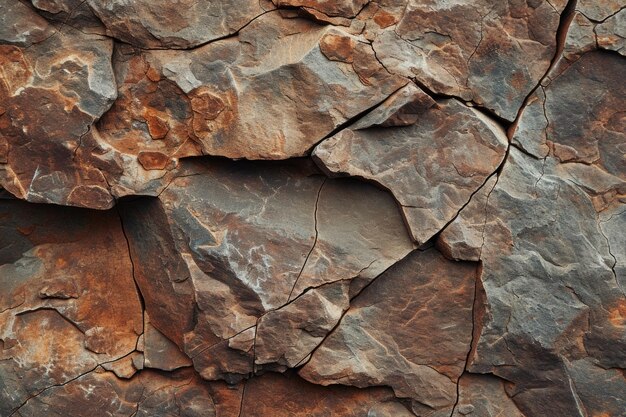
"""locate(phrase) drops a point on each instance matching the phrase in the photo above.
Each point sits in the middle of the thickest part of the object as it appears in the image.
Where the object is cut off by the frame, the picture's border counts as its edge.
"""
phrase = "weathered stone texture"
(252, 208)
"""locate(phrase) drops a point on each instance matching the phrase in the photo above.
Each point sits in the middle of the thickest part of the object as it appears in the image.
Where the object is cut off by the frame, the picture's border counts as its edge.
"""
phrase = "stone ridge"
(381, 208)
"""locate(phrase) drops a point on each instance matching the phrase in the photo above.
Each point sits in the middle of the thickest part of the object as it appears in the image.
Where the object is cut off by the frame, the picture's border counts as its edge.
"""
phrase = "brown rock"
(447, 155)
(292, 396)
(484, 395)
(147, 394)
(160, 352)
(343, 8)
(474, 50)
(421, 356)
(64, 308)
(73, 13)
(153, 160)
(258, 222)
(21, 26)
(53, 91)
(292, 73)
(184, 24)
(539, 311)
(463, 239)
(216, 286)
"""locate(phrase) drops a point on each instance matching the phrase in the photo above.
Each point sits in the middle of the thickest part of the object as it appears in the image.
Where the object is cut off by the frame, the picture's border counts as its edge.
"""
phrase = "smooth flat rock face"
(429, 301)
(315, 208)
(432, 167)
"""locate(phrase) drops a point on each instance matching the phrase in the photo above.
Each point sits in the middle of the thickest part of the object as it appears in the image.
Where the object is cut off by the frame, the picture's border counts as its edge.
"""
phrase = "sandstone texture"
(384, 208)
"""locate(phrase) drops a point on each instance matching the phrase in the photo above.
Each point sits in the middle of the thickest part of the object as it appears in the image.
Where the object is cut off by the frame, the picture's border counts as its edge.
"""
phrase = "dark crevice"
(472, 341)
(353, 119)
(561, 35)
(142, 302)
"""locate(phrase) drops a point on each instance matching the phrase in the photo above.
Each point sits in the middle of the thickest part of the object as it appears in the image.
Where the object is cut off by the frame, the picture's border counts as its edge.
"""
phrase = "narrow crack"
(319, 192)
(142, 302)
(243, 395)
(67, 320)
(561, 35)
(472, 341)
(98, 365)
(353, 119)
(608, 244)
(485, 208)
(80, 143)
(302, 362)
(232, 35)
(496, 172)
(57, 31)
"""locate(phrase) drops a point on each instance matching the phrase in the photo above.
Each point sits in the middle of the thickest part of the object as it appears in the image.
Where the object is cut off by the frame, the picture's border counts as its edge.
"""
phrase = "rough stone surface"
(429, 301)
(352, 208)
(65, 309)
(180, 24)
(475, 50)
(432, 167)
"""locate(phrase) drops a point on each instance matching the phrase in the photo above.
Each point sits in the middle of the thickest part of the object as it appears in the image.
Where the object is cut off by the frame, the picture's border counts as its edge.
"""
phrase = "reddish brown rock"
(64, 308)
(53, 90)
(148, 394)
(410, 330)
(292, 396)
(215, 285)
(159, 352)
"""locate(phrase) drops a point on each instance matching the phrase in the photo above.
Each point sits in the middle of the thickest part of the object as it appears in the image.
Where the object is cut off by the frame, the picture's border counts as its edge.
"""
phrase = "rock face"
(178, 25)
(432, 167)
(474, 50)
(312, 208)
(427, 298)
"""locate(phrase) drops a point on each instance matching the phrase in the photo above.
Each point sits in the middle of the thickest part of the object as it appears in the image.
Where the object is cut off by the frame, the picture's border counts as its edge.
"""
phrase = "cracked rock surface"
(383, 208)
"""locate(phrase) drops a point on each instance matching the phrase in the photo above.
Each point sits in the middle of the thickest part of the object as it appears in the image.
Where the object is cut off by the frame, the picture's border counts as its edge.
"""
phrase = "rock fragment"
(410, 330)
(432, 167)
